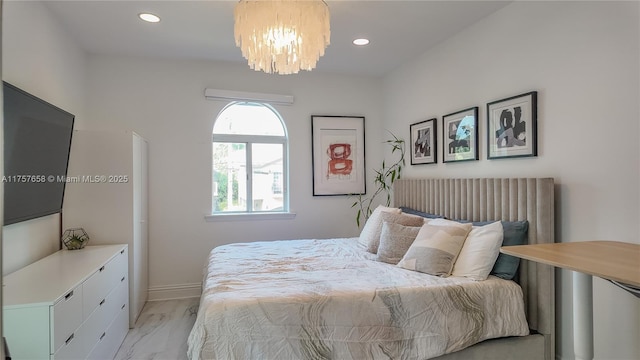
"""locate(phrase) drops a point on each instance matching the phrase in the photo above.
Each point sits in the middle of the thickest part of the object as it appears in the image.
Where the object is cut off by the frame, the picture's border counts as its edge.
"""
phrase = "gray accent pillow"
(411, 211)
(395, 240)
(436, 247)
(515, 233)
(396, 218)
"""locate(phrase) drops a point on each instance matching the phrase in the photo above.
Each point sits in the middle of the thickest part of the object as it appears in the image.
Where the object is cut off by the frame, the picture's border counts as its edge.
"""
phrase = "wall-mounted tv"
(37, 140)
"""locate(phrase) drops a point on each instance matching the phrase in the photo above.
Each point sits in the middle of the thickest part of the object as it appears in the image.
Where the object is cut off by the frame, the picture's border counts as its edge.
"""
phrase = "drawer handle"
(121, 280)
(102, 336)
(66, 342)
(122, 307)
(102, 269)
(69, 295)
(102, 302)
(122, 251)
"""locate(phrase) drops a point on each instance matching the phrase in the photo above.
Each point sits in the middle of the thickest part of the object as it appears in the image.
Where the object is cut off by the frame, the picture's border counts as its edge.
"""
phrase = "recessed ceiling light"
(361, 42)
(149, 17)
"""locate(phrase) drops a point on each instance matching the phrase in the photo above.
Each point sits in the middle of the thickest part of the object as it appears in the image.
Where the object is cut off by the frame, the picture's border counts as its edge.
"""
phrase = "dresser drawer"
(104, 314)
(72, 348)
(67, 316)
(96, 288)
(110, 340)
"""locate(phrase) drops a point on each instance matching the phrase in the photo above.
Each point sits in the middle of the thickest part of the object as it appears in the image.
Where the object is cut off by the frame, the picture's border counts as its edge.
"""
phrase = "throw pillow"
(395, 240)
(436, 247)
(399, 218)
(514, 233)
(479, 252)
(373, 226)
(411, 211)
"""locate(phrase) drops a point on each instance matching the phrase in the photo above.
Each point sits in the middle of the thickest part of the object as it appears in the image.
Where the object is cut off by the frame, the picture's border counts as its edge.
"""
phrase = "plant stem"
(385, 177)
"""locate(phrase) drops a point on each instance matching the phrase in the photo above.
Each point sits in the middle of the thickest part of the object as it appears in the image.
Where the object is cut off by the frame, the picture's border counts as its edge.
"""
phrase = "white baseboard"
(171, 292)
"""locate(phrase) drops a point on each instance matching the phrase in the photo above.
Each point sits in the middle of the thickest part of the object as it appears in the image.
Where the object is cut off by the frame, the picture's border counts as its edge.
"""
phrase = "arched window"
(249, 160)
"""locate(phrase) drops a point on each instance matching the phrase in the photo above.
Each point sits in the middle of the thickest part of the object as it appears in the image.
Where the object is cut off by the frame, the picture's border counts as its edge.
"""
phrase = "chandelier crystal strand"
(282, 36)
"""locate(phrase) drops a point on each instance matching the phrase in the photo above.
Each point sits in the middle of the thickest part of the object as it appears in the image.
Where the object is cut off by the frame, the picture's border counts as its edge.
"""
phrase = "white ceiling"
(398, 30)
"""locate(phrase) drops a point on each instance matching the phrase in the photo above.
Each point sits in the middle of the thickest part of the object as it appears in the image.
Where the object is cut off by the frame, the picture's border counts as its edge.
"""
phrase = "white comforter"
(329, 299)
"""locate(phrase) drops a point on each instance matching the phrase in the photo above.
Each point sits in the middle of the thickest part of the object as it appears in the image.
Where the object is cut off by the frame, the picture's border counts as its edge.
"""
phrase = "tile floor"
(161, 331)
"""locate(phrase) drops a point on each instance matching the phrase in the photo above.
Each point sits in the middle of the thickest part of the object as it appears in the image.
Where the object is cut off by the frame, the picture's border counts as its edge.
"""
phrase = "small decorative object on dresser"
(460, 135)
(75, 239)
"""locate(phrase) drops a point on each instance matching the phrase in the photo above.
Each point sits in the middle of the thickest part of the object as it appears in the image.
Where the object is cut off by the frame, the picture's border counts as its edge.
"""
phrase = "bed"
(331, 299)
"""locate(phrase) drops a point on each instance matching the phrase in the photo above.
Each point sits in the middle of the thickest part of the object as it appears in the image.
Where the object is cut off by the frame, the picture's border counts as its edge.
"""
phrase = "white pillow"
(436, 247)
(373, 227)
(479, 252)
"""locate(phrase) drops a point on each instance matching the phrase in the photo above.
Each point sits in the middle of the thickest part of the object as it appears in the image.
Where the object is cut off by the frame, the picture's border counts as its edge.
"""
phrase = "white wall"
(583, 59)
(163, 100)
(40, 58)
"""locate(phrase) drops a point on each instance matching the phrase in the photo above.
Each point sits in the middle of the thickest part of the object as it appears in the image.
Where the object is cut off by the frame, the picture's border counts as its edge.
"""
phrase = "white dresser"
(69, 305)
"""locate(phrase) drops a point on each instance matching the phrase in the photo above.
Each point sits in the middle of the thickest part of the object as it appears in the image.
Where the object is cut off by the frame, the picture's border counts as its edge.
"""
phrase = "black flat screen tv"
(37, 141)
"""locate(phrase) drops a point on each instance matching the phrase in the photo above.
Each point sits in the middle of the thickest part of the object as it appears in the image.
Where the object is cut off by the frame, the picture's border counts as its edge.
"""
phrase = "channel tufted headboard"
(484, 199)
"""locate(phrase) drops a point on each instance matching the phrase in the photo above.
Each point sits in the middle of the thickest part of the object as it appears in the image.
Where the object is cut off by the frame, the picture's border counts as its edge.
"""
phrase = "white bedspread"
(329, 299)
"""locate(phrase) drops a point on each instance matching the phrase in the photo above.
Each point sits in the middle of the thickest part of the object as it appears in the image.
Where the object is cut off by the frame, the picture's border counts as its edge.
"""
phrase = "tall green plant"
(385, 177)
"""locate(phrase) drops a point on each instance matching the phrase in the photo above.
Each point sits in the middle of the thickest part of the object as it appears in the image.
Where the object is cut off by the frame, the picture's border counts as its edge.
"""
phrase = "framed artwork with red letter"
(337, 144)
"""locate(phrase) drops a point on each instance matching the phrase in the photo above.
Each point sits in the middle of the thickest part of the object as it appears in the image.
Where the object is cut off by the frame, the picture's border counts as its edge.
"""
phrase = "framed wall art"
(423, 145)
(460, 135)
(512, 127)
(337, 144)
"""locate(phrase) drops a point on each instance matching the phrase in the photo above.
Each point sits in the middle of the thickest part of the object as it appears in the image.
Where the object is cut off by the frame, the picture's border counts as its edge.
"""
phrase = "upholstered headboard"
(486, 199)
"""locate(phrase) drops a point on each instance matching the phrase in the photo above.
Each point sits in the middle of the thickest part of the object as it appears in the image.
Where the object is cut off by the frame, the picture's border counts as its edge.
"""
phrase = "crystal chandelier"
(282, 36)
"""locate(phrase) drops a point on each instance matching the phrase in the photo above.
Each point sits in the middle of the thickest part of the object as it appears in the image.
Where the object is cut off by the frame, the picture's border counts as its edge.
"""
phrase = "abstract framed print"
(512, 129)
(460, 136)
(337, 144)
(423, 142)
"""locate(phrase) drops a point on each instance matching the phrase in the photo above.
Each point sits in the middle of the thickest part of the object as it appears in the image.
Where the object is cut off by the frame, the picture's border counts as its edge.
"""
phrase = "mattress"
(330, 299)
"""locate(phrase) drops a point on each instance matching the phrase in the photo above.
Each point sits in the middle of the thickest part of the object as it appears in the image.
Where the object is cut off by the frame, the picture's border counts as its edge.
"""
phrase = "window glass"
(248, 119)
(267, 169)
(229, 177)
(249, 160)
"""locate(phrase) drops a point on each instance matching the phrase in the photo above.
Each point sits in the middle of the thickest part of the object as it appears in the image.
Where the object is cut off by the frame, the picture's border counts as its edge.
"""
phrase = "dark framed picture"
(337, 144)
(423, 142)
(512, 129)
(460, 135)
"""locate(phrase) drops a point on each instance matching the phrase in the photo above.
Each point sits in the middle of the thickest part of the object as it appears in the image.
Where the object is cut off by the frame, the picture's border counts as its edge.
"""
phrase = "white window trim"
(258, 139)
(226, 95)
(250, 216)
